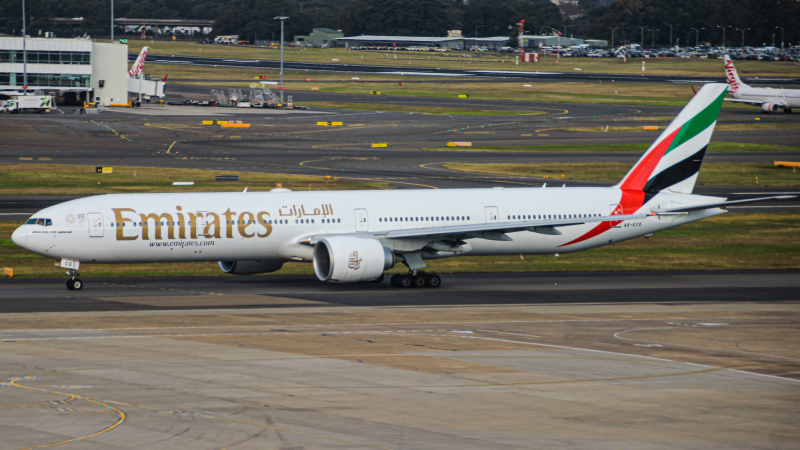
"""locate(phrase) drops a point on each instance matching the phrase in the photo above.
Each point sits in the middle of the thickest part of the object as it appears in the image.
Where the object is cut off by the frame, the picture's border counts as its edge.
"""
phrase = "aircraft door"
(491, 214)
(95, 224)
(200, 222)
(362, 220)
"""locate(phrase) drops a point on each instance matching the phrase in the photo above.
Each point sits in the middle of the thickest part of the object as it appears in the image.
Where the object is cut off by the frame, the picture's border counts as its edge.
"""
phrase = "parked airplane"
(137, 84)
(769, 99)
(355, 236)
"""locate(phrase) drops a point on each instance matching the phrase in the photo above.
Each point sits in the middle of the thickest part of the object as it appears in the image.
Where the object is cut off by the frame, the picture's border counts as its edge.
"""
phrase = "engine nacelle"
(340, 259)
(249, 267)
(769, 107)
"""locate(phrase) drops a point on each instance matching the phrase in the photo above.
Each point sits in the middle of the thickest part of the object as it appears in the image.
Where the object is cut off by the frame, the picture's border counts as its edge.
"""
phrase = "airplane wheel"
(74, 284)
(434, 281)
(787, 110)
(405, 281)
(418, 281)
(395, 280)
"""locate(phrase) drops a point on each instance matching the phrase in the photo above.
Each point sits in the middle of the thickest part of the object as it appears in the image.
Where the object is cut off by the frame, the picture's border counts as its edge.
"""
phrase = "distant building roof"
(489, 39)
(328, 30)
(398, 38)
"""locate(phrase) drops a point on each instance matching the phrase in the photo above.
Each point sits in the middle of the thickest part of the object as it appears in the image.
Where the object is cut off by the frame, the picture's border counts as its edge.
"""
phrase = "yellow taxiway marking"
(122, 415)
(545, 135)
(527, 135)
(176, 127)
(170, 146)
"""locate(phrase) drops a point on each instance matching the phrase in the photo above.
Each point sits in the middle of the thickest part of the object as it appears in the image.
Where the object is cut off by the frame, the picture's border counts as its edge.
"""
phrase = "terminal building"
(320, 37)
(401, 41)
(75, 70)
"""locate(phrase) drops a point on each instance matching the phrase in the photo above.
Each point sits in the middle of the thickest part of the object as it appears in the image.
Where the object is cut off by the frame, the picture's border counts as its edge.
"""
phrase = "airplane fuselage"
(241, 226)
(788, 97)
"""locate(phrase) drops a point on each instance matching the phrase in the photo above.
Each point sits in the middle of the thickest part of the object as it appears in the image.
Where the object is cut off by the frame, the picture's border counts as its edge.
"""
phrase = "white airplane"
(136, 82)
(769, 99)
(138, 65)
(354, 236)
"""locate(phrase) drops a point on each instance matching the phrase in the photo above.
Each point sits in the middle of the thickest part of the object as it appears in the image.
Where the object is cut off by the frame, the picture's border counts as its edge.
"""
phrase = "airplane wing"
(490, 231)
(686, 209)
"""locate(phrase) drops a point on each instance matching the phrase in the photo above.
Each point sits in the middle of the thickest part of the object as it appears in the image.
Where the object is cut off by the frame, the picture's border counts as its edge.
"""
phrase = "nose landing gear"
(74, 283)
(416, 279)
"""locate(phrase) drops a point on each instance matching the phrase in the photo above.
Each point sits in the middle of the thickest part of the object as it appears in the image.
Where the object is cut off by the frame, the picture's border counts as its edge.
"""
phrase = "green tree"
(400, 17)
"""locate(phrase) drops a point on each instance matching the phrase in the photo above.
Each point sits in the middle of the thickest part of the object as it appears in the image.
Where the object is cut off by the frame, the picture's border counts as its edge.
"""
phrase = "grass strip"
(418, 61)
(726, 242)
(710, 174)
(718, 127)
(714, 147)
(18, 179)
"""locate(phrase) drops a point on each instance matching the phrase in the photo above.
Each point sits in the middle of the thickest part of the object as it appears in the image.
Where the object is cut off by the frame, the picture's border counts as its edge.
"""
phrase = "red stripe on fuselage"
(630, 202)
(632, 194)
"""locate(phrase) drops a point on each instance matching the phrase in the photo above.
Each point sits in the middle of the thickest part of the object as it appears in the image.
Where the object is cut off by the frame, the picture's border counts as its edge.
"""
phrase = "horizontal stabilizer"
(720, 205)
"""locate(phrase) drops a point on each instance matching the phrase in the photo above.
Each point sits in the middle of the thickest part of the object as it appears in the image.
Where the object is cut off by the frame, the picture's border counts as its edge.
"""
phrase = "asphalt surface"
(291, 142)
(476, 290)
(405, 70)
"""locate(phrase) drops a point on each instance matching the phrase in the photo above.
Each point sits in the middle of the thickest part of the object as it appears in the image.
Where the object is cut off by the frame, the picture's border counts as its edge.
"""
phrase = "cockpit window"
(42, 222)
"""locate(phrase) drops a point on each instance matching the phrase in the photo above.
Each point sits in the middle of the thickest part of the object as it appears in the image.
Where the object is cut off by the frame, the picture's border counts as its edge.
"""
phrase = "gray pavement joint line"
(616, 335)
(626, 354)
(283, 326)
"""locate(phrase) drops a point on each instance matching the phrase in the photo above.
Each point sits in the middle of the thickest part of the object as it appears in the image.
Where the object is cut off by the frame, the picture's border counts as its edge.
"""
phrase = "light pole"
(282, 19)
(112, 21)
(612, 39)
(641, 35)
(24, 50)
(670, 35)
(476, 32)
(723, 34)
(781, 39)
(653, 38)
(696, 38)
(742, 30)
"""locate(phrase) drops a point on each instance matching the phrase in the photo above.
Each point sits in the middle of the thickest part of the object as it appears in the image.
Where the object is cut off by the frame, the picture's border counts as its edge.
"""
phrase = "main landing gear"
(416, 279)
(74, 283)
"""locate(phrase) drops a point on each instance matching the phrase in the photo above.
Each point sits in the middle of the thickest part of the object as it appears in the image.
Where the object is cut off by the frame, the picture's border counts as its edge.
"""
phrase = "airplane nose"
(20, 236)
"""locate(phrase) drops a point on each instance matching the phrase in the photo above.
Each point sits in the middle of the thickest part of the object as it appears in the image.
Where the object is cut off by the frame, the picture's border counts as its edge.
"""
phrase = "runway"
(474, 290)
(433, 71)
(599, 360)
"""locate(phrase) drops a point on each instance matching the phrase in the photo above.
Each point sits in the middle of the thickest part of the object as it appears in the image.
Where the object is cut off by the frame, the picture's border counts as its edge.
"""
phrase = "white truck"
(16, 104)
(230, 40)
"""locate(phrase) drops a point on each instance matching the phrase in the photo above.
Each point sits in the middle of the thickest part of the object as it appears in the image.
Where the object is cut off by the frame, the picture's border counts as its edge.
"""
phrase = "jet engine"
(249, 267)
(769, 107)
(340, 259)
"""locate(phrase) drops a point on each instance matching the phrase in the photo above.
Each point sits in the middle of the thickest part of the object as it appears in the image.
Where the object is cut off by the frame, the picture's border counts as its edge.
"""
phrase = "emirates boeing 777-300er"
(354, 236)
(769, 99)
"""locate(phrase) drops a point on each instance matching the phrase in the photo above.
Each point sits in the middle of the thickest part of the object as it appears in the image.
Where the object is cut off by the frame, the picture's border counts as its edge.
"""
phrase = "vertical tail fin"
(734, 81)
(138, 66)
(674, 159)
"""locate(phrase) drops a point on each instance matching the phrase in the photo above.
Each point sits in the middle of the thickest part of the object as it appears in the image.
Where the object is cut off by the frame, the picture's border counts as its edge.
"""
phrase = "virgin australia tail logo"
(355, 261)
